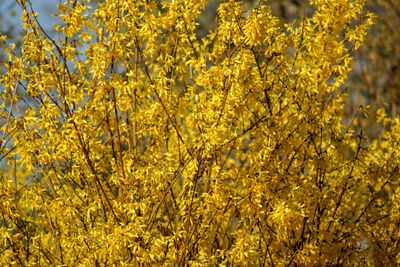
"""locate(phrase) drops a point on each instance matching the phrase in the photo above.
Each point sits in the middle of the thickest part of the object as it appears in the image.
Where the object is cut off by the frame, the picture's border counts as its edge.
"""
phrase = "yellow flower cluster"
(130, 140)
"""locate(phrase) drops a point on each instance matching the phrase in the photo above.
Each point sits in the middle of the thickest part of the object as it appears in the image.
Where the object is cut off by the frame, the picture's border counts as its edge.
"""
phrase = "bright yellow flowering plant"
(129, 139)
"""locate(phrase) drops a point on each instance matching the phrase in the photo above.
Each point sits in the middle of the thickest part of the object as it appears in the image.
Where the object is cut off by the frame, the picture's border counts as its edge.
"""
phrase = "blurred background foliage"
(8, 26)
(374, 81)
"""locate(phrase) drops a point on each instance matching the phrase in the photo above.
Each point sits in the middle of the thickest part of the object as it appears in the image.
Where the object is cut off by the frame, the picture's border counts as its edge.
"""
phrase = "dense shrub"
(130, 139)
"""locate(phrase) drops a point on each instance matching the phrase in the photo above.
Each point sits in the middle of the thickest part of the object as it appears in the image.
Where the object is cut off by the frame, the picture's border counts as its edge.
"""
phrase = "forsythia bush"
(130, 140)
